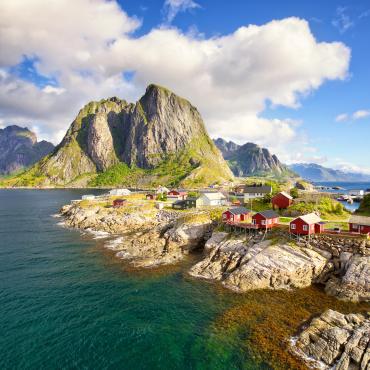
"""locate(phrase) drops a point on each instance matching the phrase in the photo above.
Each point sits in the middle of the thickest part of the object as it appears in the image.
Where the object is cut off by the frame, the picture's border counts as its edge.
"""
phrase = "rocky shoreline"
(335, 341)
(151, 238)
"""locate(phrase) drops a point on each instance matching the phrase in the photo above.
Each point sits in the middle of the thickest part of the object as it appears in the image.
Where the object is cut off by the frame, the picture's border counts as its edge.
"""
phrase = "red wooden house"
(177, 194)
(237, 214)
(359, 224)
(265, 219)
(282, 200)
(149, 196)
(119, 203)
(306, 225)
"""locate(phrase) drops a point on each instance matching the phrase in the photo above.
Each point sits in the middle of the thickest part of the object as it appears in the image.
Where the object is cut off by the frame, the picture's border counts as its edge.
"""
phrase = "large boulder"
(335, 341)
(247, 265)
(354, 285)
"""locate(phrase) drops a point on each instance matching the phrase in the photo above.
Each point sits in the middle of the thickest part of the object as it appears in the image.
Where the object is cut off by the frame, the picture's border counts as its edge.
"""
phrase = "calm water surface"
(66, 302)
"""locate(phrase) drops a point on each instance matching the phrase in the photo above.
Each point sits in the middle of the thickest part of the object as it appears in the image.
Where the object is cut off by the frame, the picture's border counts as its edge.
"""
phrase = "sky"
(292, 76)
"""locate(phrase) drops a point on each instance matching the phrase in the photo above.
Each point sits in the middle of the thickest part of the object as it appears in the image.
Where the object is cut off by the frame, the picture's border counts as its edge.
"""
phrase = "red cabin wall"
(280, 201)
(258, 221)
(299, 227)
(361, 229)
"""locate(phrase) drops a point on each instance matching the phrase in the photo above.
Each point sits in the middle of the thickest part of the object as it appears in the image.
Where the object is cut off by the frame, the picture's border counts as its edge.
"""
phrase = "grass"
(328, 208)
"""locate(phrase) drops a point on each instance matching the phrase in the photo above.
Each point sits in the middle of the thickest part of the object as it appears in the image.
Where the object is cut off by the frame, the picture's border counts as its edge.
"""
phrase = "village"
(251, 208)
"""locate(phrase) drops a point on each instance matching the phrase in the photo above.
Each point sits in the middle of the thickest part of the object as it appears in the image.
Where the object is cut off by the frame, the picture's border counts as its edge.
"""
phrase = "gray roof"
(360, 220)
(268, 214)
(258, 189)
(239, 210)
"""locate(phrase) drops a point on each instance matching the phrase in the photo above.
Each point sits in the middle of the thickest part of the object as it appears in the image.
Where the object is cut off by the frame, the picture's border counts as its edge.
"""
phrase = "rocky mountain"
(159, 139)
(315, 172)
(19, 149)
(250, 159)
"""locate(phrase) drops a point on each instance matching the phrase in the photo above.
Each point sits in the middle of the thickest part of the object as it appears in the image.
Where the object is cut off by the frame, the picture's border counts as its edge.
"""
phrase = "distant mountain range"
(317, 173)
(251, 160)
(20, 149)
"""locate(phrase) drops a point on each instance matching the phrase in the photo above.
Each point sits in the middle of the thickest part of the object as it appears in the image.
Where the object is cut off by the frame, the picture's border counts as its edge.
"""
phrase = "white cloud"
(53, 90)
(350, 167)
(230, 78)
(361, 114)
(172, 7)
(342, 21)
(342, 117)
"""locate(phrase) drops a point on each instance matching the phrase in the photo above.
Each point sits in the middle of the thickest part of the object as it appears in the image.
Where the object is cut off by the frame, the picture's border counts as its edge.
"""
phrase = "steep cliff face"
(19, 149)
(250, 159)
(156, 134)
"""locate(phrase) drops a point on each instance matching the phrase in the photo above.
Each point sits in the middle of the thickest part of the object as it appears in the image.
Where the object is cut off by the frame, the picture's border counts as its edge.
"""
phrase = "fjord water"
(66, 302)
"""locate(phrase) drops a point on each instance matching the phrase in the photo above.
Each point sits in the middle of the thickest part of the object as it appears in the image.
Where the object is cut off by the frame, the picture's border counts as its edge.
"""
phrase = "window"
(355, 226)
(305, 228)
(263, 222)
(293, 226)
(253, 221)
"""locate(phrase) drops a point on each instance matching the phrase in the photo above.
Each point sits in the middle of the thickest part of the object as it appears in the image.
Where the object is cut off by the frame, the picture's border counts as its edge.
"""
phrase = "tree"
(294, 193)
(267, 198)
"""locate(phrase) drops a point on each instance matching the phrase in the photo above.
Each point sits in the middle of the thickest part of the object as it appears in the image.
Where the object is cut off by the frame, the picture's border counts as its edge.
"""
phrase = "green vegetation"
(294, 193)
(119, 174)
(328, 208)
(364, 208)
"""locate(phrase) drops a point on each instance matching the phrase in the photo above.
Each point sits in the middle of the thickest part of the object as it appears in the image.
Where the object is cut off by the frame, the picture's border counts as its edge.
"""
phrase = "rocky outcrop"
(335, 341)
(145, 239)
(19, 149)
(243, 266)
(354, 284)
(250, 159)
(342, 265)
(160, 129)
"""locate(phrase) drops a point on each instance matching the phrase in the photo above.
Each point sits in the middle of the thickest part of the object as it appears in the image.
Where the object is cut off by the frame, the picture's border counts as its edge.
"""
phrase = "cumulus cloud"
(88, 47)
(342, 117)
(172, 7)
(359, 114)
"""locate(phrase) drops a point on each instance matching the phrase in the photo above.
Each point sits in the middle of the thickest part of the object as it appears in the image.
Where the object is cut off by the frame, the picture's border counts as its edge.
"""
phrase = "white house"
(120, 192)
(162, 190)
(356, 193)
(88, 197)
(212, 199)
(255, 192)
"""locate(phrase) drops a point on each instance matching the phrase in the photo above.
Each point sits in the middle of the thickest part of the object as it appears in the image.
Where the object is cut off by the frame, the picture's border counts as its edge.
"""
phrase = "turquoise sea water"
(67, 303)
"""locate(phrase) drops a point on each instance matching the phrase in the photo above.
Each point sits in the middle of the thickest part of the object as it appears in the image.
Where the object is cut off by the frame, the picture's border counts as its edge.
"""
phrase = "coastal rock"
(335, 341)
(146, 239)
(248, 265)
(354, 284)
(189, 236)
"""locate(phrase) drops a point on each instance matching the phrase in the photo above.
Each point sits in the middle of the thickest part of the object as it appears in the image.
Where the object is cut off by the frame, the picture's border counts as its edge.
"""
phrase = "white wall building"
(88, 197)
(212, 199)
(356, 193)
(120, 192)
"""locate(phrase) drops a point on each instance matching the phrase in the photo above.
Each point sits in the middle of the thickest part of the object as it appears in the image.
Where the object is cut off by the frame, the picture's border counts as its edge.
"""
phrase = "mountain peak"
(250, 159)
(161, 130)
(19, 149)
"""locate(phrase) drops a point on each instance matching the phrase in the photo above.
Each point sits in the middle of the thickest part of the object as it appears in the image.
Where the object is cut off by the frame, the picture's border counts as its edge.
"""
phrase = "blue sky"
(299, 85)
